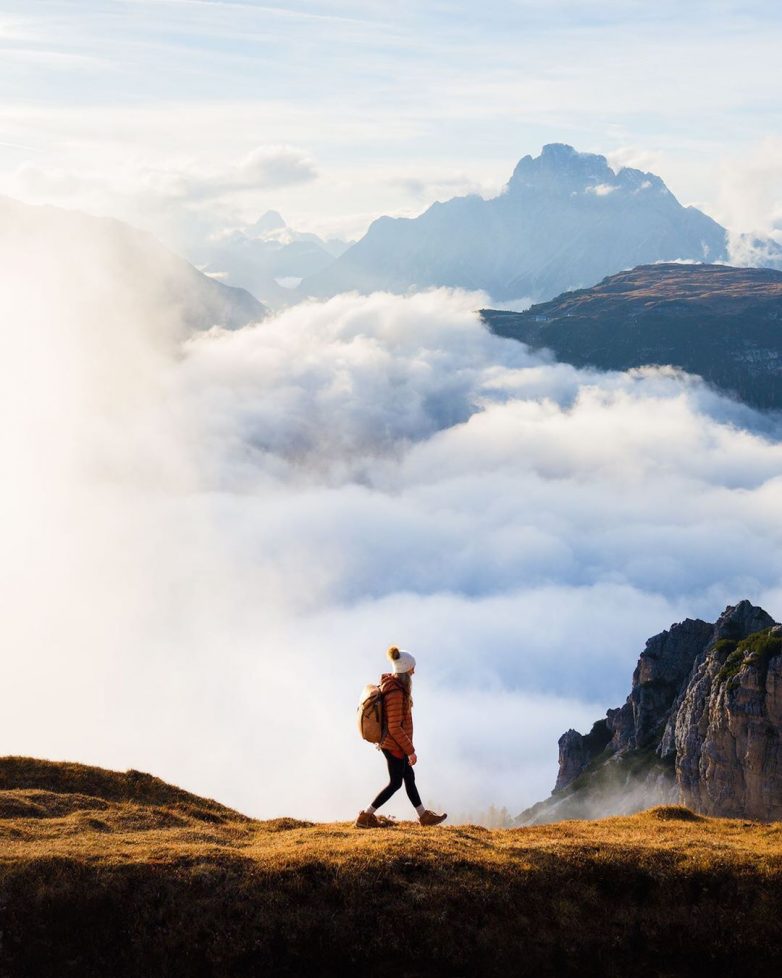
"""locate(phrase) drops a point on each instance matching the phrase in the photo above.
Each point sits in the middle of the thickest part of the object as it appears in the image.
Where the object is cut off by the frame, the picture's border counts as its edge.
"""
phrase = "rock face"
(702, 726)
(726, 733)
(564, 220)
(722, 323)
(662, 668)
(577, 751)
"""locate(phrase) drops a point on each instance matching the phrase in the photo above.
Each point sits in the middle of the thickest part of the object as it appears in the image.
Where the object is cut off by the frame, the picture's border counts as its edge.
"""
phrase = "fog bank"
(211, 539)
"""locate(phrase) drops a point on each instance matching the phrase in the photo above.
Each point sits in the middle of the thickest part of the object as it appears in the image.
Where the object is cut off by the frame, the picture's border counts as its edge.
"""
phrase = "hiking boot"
(367, 820)
(431, 818)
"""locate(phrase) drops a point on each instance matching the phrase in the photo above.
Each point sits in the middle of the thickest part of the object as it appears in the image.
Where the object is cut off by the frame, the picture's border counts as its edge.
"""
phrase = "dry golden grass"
(112, 834)
(176, 885)
(718, 290)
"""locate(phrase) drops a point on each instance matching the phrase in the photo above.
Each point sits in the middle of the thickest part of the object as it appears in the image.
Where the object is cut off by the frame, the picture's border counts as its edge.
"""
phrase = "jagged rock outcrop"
(662, 667)
(702, 726)
(577, 751)
(726, 734)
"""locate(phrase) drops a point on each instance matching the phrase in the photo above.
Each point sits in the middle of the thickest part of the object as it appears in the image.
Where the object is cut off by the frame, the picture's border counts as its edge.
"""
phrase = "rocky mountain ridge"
(720, 322)
(564, 220)
(702, 726)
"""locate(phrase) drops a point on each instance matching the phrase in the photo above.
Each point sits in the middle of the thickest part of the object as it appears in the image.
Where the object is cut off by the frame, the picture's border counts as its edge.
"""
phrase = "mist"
(211, 538)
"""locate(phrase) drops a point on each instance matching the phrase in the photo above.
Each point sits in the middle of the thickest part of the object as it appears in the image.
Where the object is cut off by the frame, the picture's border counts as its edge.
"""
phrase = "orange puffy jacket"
(399, 717)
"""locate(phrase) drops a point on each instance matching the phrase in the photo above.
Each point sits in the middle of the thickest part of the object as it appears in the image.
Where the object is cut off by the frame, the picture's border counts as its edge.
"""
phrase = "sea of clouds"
(210, 539)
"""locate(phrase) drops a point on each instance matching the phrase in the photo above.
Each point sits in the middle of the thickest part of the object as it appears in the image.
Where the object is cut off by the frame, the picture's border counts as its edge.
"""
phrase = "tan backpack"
(371, 716)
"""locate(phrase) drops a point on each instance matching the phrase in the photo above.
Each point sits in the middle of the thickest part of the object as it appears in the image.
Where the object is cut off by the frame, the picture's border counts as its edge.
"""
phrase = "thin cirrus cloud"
(207, 542)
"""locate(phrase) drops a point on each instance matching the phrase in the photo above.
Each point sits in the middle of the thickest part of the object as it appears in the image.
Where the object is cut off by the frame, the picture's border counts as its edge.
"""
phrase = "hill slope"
(119, 874)
(74, 253)
(722, 323)
(564, 220)
(42, 788)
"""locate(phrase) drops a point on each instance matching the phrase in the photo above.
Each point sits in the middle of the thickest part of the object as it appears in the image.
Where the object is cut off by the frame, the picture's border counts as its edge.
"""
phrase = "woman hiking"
(397, 745)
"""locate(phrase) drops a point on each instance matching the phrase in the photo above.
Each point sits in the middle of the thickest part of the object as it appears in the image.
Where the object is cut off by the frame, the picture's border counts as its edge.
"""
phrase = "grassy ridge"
(91, 885)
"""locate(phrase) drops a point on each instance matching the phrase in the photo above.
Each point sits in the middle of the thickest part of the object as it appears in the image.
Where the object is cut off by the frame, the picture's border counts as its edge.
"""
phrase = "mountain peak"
(565, 219)
(563, 151)
(561, 167)
(270, 221)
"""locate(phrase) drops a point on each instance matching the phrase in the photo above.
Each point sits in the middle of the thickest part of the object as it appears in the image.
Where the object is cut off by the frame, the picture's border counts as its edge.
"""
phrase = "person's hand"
(412, 758)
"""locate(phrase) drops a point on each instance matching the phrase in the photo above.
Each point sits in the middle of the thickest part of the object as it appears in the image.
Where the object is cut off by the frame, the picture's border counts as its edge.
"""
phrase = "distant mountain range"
(565, 220)
(722, 323)
(82, 245)
(268, 257)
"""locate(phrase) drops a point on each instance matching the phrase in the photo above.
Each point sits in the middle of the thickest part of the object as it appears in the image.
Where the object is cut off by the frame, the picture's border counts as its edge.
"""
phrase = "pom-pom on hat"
(401, 661)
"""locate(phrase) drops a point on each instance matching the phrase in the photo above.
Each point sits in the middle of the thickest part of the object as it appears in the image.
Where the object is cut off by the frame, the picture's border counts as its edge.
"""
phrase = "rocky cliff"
(702, 726)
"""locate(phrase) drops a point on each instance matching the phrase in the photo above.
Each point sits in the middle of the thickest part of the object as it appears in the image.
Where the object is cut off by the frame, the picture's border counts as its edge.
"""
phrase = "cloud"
(443, 186)
(275, 166)
(48, 182)
(209, 546)
(637, 158)
(183, 202)
(602, 189)
(266, 167)
(760, 252)
(750, 190)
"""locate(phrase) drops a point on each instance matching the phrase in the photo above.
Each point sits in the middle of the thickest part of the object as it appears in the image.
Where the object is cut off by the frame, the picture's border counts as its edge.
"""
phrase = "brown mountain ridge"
(719, 322)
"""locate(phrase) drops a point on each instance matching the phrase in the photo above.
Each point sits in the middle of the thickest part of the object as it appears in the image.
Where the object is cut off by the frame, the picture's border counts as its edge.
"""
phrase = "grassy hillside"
(105, 874)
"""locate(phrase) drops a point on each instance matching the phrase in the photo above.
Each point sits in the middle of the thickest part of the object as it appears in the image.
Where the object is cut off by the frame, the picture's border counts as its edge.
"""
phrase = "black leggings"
(399, 770)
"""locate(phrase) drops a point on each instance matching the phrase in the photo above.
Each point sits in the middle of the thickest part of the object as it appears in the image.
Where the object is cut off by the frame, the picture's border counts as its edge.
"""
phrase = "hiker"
(397, 744)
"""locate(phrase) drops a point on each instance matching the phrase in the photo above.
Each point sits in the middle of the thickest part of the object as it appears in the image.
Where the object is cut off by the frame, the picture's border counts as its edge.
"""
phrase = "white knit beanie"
(401, 661)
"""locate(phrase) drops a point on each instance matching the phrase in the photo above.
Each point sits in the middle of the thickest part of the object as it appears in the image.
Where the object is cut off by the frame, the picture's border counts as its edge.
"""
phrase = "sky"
(209, 540)
(183, 116)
